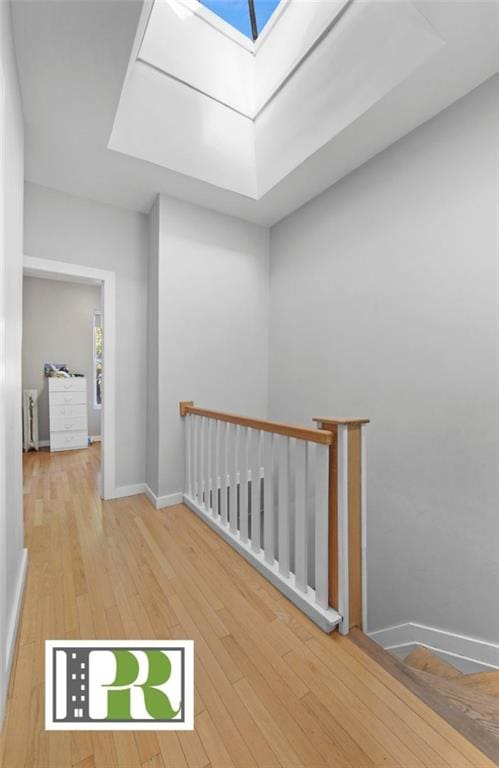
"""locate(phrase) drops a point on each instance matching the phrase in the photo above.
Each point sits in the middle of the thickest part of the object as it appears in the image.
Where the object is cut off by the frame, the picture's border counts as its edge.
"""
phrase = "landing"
(271, 688)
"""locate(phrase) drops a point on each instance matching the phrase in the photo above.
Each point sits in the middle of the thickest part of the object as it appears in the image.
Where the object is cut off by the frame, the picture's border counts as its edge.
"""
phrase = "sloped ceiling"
(87, 136)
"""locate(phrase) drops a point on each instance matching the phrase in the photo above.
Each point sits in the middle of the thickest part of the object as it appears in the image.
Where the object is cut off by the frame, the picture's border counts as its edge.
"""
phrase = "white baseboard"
(160, 502)
(13, 621)
(46, 443)
(459, 647)
(128, 490)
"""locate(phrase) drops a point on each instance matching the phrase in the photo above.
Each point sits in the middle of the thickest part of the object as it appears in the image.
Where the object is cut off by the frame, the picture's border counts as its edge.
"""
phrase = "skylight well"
(247, 16)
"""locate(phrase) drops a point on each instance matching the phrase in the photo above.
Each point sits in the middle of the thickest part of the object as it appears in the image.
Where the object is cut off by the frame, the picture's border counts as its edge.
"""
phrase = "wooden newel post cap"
(328, 423)
(183, 405)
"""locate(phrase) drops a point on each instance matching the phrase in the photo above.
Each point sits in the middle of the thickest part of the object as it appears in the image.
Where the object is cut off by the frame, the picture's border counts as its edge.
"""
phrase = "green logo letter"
(156, 702)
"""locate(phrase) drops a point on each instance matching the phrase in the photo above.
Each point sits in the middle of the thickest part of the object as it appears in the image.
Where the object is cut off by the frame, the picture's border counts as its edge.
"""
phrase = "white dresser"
(68, 413)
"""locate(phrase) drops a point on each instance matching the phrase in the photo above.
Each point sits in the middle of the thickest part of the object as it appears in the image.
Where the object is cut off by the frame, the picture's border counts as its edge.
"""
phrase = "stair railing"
(289, 499)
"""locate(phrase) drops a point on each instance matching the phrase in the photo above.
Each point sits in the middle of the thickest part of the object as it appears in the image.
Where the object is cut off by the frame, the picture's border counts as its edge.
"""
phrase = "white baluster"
(343, 582)
(215, 469)
(202, 464)
(193, 454)
(233, 478)
(268, 498)
(255, 490)
(321, 525)
(284, 506)
(243, 483)
(207, 463)
(188, 468)
(224, 483)
(301, 530)
(363, 520)
(199, 459)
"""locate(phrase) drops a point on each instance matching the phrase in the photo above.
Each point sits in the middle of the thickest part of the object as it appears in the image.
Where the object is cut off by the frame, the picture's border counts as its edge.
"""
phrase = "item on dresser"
(30, 419)
(68, 413)
(55, 369)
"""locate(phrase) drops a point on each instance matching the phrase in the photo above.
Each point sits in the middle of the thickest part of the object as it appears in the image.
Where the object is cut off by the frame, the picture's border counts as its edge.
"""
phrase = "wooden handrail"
(289, 430)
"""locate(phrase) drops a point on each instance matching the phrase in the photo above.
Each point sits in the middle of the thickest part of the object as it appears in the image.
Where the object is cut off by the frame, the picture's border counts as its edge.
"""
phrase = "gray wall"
(211, 272)
(58, 327)
(383, 304)
(11, 254)
(59, 226)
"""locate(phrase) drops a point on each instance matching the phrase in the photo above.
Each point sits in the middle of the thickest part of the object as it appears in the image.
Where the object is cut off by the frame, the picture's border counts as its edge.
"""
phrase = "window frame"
(95, 358)
(253, 17)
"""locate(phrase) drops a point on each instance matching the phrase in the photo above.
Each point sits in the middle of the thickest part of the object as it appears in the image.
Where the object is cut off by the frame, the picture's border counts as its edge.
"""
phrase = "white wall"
(383, 304)
(11, 199)
(58, 321)
(212, 322)
(71, 229)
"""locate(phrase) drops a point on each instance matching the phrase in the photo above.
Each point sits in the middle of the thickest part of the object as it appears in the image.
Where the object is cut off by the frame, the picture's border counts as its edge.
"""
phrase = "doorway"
(100, 387)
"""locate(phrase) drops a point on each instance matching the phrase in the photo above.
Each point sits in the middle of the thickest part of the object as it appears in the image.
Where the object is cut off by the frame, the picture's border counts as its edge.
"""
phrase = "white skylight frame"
(283, 45)
(215, 21)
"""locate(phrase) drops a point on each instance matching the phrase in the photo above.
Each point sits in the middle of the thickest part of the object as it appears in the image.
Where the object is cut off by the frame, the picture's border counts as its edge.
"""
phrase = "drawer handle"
(69, 438)
(68, 426)
(67, 399)
(67, 386)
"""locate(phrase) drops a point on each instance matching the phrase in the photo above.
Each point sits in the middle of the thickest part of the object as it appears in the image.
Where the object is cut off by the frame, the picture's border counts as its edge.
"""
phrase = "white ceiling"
(73, 57)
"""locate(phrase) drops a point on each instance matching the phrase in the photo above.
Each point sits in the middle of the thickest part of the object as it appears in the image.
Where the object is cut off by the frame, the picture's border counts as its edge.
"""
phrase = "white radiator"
(30, 419)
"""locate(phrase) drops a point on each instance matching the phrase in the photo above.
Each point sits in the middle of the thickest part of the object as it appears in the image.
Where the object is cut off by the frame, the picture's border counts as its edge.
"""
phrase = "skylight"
(248, 16)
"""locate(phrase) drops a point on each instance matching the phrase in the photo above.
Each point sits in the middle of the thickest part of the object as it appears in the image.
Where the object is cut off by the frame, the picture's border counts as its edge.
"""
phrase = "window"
(248, 16)
(97, 367)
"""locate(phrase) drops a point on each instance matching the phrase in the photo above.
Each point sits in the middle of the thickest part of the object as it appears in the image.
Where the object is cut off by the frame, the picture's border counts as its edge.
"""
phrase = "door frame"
(64, 270)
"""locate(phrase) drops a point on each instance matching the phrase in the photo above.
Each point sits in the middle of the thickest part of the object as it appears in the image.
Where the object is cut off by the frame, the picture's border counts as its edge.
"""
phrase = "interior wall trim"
(161, 502)
(13, 619)
(450, 643)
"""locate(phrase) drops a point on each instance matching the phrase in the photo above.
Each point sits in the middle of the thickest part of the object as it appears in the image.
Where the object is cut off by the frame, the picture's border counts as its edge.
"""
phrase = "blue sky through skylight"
(236, 13)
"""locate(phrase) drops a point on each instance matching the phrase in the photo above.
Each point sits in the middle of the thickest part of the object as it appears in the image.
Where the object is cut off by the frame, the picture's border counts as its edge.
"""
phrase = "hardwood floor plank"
(87, 762)
(81, 746)
(409, 725)
(270, 689)
(171, 750)
(337, 731)
(212, 742)
(147, 745)
(154, 762)
(126, 749)
(193, 749)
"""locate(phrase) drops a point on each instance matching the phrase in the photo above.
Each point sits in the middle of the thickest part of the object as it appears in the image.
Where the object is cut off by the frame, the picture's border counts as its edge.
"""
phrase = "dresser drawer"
(67, 424)
(78, 384)
(68, 398)
(67, 411)
(65, 441)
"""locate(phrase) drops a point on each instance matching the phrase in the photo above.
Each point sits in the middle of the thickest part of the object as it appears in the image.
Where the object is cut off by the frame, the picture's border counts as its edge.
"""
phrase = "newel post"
(347, 520)
(183, 405)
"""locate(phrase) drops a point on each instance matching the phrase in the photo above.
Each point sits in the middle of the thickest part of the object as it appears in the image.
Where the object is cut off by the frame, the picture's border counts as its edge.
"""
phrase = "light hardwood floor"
(271, 689)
